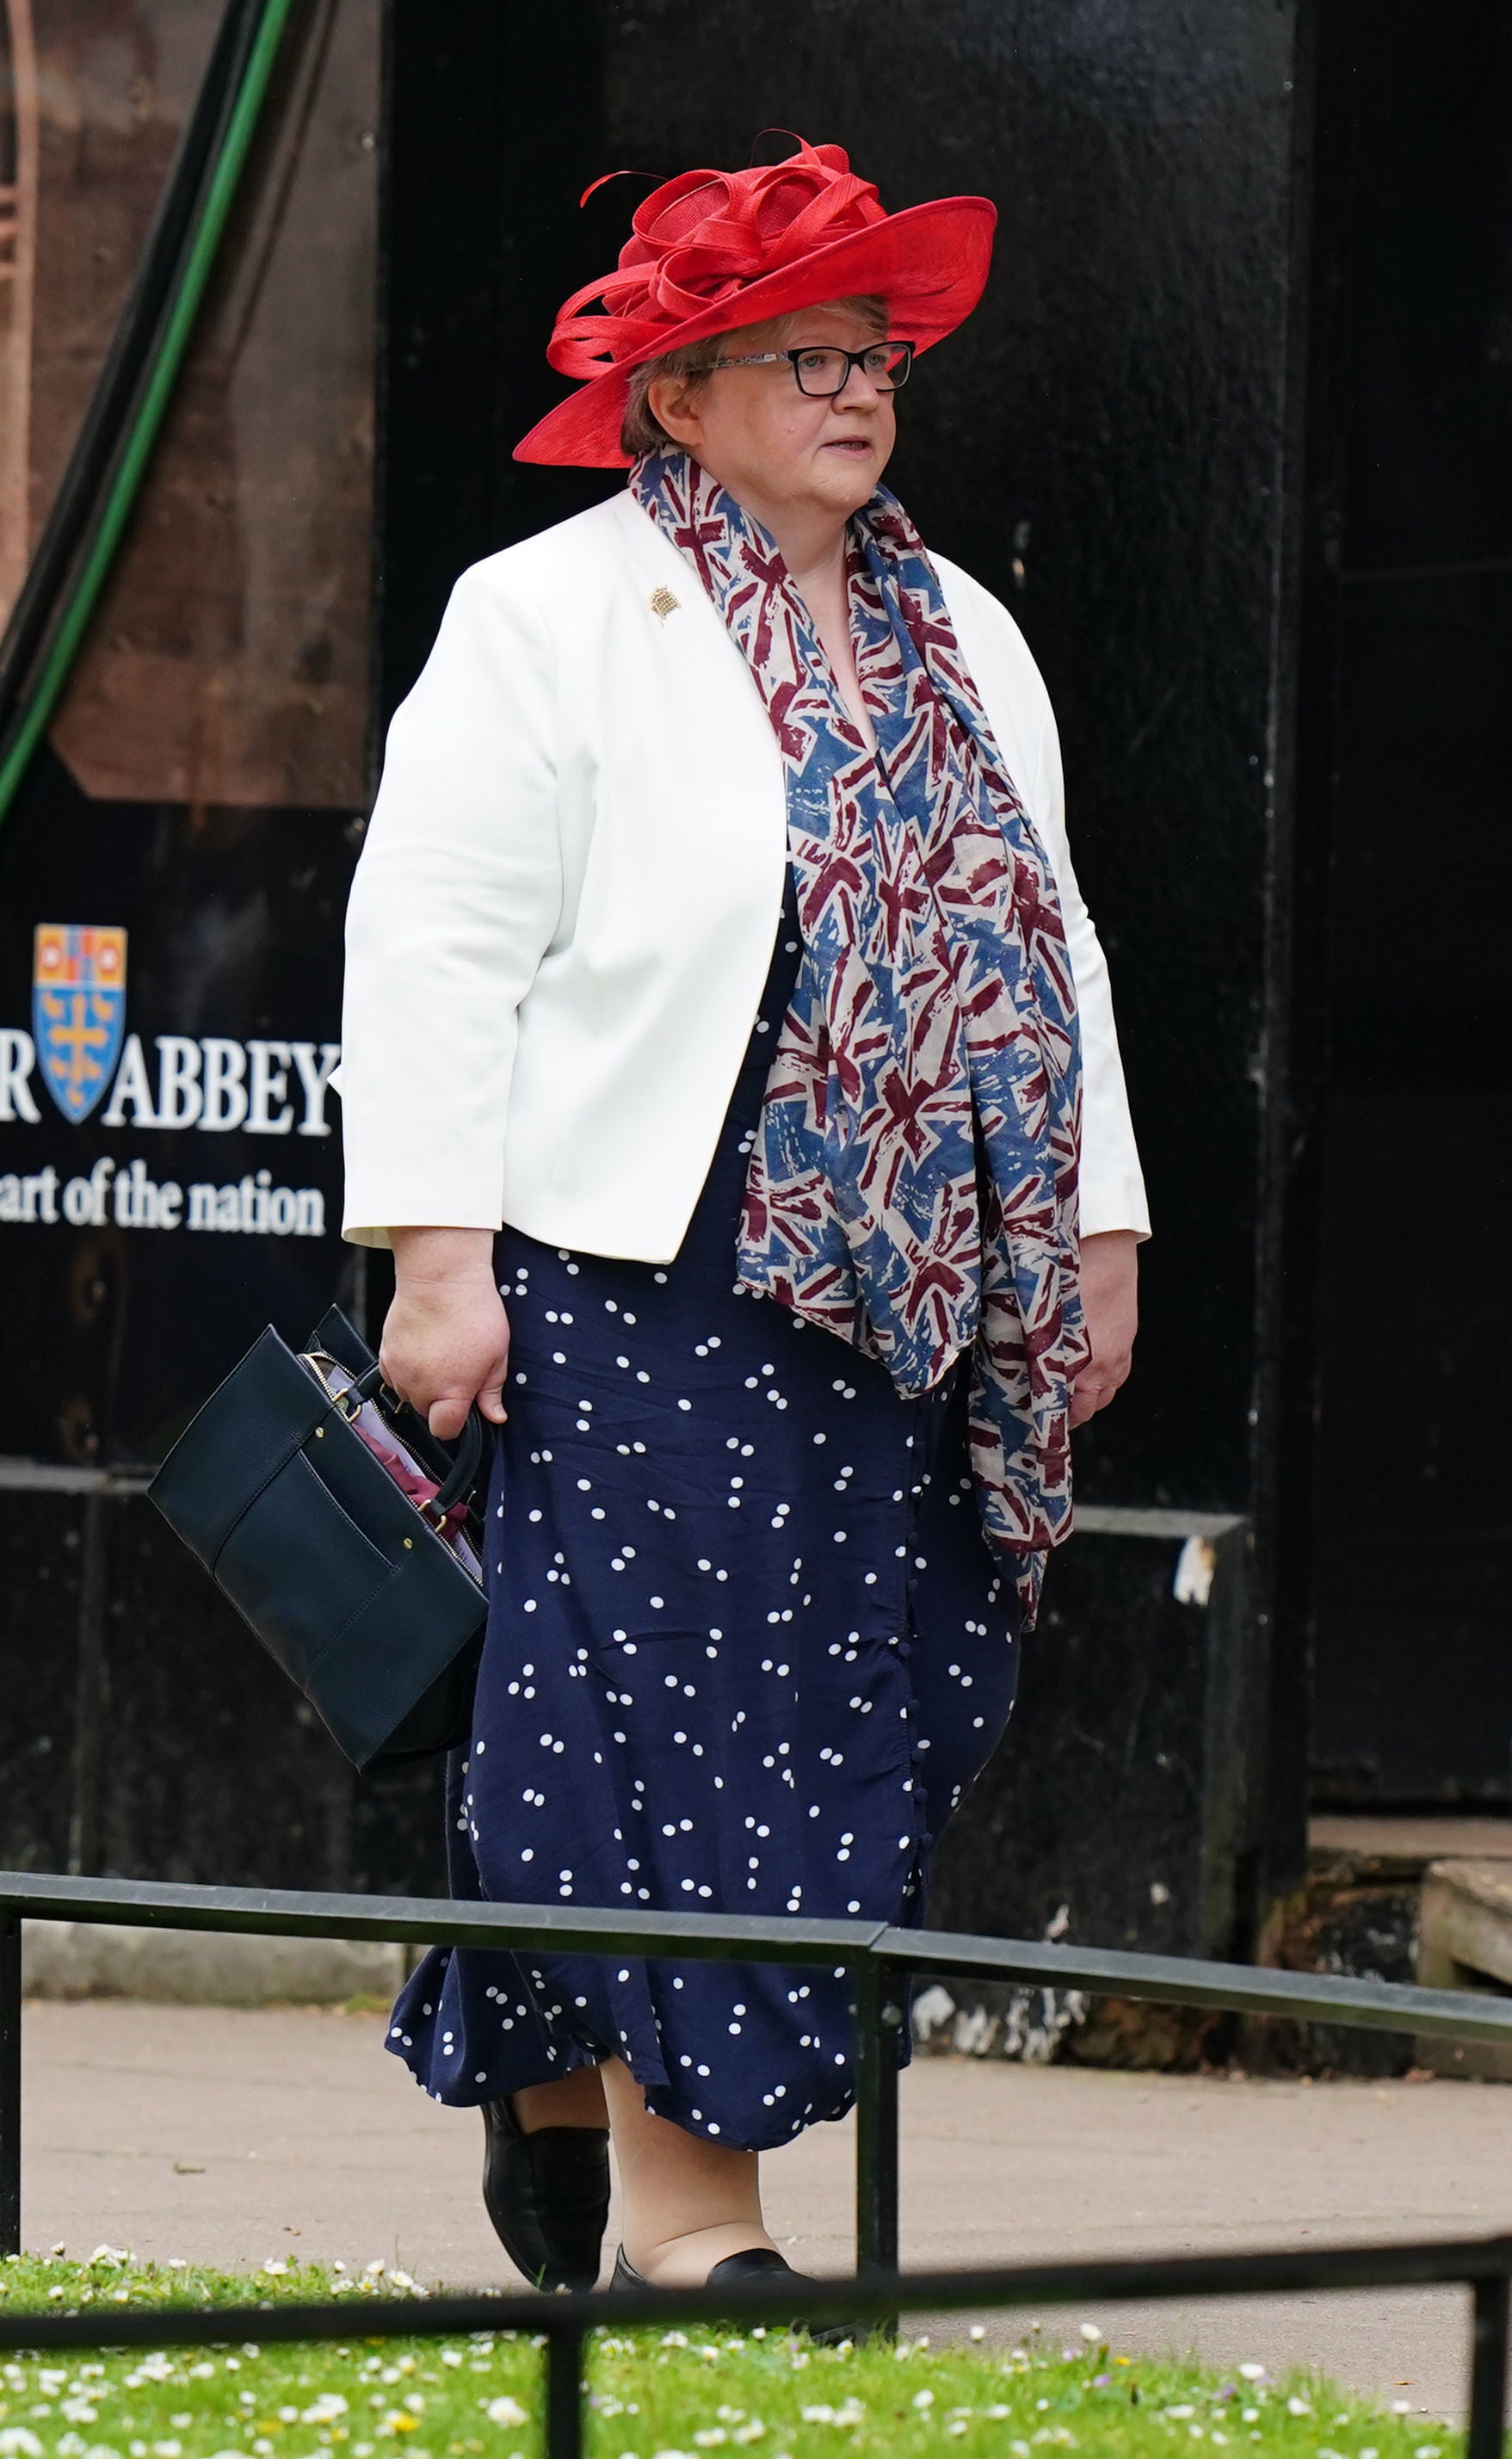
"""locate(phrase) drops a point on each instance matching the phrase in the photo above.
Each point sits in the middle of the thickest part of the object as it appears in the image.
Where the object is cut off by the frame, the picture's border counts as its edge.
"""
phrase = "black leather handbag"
(340, 1528)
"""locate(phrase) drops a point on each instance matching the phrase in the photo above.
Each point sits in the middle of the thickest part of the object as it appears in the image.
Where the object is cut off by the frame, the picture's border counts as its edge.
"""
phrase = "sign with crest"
(78, 1010)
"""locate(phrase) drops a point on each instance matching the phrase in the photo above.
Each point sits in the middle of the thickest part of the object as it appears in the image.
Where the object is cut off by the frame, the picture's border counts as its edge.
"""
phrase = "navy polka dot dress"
(747, 1646)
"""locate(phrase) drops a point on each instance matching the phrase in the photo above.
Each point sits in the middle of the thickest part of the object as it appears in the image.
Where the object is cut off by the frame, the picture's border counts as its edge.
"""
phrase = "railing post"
(878, 2017)
(564, 2355)
(9, 2083)
(1488, 2370)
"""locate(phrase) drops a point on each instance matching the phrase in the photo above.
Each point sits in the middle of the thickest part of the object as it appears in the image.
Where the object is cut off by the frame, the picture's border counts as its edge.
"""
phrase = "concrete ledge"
(202, 1968)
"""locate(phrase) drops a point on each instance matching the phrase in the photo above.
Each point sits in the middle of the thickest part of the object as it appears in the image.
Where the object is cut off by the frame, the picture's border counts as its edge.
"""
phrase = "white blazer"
(564, 909)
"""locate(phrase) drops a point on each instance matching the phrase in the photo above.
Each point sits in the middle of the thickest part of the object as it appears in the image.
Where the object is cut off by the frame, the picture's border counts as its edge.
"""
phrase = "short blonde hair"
(640, 431)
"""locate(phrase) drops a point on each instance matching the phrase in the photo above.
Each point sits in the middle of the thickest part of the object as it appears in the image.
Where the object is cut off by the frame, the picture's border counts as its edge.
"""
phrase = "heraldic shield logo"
(78, 1010)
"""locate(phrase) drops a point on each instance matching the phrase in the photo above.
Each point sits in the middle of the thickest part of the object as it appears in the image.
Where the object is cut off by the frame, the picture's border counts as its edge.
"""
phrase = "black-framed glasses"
(823, 372)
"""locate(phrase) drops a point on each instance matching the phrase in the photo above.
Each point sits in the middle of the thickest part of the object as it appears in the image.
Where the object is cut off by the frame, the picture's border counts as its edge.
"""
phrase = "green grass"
(654, 2395)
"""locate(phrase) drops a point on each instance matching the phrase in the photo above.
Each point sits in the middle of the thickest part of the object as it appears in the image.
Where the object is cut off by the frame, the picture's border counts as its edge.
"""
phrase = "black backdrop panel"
(1413, 1675)
(1099, 445)
(1104, 444)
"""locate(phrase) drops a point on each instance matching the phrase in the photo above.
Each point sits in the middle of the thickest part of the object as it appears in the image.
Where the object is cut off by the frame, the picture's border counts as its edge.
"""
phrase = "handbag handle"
(466, 1461)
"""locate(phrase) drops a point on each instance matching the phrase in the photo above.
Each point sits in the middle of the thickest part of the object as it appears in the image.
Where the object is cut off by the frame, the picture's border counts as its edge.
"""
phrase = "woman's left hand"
(1110, 1307)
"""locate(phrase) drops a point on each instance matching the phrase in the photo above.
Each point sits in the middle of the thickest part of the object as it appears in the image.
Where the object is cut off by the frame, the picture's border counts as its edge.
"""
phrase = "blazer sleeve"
(1111, 1183)
(455, 899)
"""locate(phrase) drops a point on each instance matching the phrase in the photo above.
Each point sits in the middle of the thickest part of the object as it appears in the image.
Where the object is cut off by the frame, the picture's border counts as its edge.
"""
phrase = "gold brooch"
(663, 604)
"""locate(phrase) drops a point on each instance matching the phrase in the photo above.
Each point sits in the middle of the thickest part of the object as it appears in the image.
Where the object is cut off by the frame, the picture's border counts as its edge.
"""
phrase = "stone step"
(1465, 1942)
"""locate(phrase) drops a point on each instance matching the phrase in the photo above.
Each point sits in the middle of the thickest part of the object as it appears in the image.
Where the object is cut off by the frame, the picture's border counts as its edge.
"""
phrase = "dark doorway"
(1414, 1588)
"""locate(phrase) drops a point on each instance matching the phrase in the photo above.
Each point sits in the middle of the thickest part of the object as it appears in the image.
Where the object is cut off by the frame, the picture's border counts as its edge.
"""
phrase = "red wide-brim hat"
(715, 250)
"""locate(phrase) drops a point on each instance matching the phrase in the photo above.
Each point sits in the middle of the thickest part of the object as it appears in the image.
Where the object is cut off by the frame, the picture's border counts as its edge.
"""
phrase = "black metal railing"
(880, 1959)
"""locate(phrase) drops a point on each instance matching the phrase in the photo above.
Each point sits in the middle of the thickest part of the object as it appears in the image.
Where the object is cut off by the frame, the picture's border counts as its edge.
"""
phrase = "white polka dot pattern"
(747, 1646)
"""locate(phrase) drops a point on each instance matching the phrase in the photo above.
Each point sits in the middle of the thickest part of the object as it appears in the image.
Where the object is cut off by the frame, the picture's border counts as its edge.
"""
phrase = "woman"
(720, 1005)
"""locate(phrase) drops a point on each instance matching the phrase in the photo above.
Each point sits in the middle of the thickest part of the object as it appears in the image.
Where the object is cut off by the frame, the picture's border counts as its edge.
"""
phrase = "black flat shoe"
(755, 2262)
(547, 2196)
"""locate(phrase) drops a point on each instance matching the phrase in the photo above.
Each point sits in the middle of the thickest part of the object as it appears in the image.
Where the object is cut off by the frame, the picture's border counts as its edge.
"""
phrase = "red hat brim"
(928, 263)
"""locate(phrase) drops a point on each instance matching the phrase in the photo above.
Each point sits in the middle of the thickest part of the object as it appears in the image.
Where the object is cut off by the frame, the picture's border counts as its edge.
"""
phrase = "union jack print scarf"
(912, 1180)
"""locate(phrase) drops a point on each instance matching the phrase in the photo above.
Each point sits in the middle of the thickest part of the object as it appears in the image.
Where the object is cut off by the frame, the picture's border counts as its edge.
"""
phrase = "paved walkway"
(227, 2137)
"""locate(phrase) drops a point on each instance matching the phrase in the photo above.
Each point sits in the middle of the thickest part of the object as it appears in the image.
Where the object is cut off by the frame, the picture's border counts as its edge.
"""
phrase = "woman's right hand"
(446, 1337)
